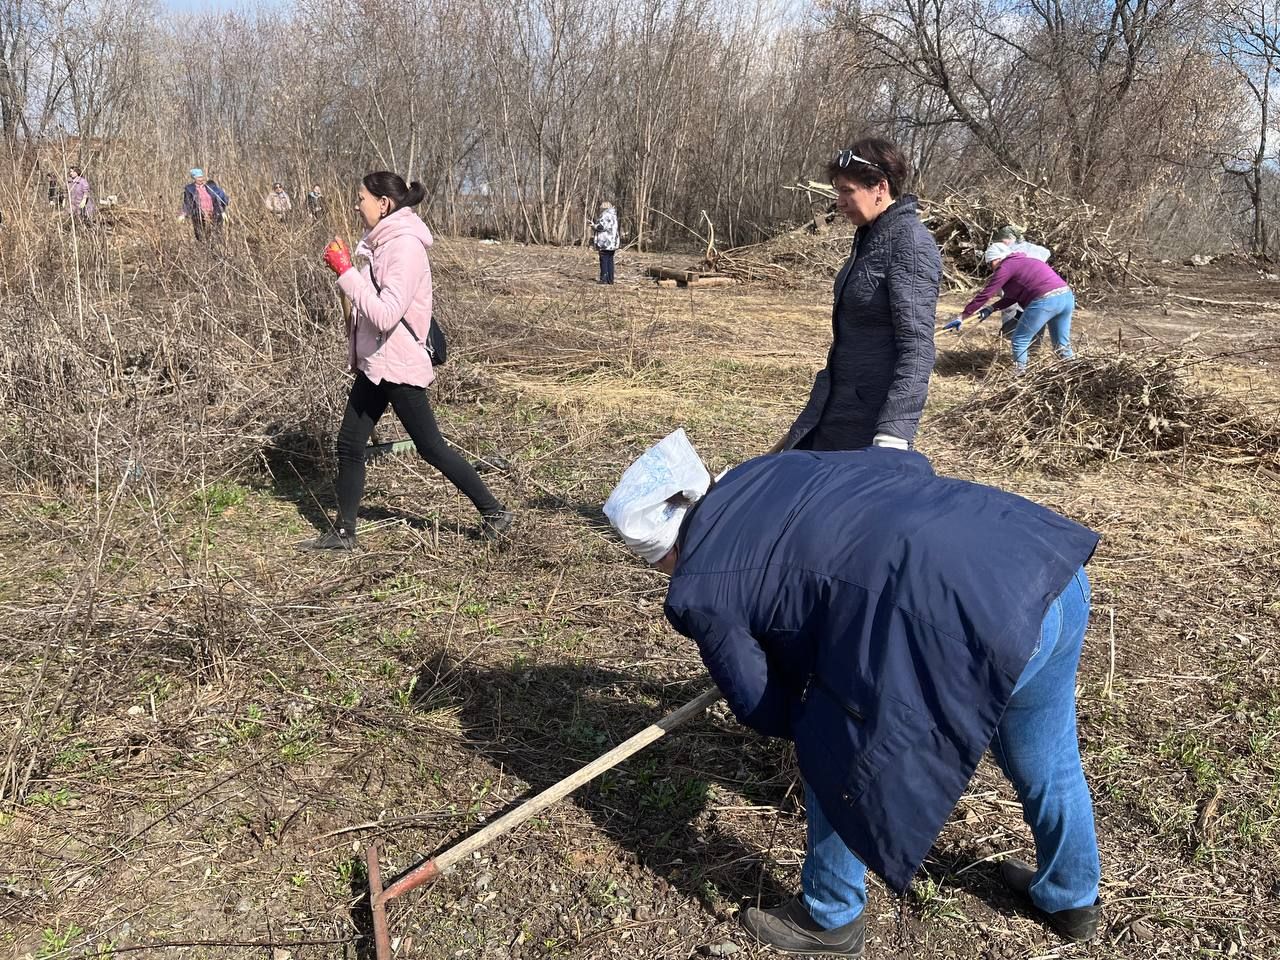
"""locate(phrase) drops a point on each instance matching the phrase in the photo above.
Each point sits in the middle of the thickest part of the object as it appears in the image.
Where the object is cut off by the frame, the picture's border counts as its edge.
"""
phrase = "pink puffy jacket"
(380, 345)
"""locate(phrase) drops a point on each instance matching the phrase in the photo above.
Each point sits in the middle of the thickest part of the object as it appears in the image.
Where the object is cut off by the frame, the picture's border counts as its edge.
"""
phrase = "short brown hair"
(879, 160)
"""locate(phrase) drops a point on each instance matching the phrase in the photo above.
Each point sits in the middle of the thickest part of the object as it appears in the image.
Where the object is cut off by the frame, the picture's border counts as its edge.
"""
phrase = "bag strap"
(426, 345)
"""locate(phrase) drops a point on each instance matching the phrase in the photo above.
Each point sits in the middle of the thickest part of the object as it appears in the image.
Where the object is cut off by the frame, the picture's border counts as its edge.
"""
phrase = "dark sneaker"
(1079, 924)
(789, 928)
(493, 526)
(492, 464)
(338, 538)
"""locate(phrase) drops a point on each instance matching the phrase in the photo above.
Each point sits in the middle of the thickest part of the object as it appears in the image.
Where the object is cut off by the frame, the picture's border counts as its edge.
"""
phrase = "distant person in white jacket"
(606, 239)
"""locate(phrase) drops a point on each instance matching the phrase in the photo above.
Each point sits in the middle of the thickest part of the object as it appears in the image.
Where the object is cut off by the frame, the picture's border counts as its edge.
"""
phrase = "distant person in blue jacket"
(895, 625)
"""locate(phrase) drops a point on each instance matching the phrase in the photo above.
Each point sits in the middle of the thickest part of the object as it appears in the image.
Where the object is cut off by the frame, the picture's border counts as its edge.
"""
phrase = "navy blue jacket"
(879, 616)
(882, 319)
(191, 206)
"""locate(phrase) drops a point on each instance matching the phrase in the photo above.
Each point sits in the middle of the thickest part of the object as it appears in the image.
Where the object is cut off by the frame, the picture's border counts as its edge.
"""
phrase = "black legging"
(365, 405)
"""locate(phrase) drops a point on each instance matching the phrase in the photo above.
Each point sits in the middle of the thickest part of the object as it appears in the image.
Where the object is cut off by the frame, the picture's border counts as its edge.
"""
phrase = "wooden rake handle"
(437, 866)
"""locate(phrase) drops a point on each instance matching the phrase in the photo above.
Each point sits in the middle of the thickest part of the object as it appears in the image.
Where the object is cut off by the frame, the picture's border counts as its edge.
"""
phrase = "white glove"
(890, 441)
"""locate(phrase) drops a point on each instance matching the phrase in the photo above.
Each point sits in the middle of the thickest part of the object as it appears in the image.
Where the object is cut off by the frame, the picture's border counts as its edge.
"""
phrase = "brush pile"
(787, 260)
(1123, 407)
(1089, 249)
(815, 250)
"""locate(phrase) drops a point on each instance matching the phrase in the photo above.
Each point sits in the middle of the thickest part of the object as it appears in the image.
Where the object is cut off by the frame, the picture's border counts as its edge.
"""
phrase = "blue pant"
(1055, 312)
(606, 266)
(1038, 750)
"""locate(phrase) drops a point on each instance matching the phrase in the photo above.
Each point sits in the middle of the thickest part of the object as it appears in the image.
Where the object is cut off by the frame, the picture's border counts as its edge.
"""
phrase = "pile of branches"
(814, 250)
(786, 260)
(1123, 407)
(1088, 248)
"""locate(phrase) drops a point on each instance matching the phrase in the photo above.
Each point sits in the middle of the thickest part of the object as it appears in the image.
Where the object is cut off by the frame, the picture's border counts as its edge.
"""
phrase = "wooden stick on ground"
(438, 866)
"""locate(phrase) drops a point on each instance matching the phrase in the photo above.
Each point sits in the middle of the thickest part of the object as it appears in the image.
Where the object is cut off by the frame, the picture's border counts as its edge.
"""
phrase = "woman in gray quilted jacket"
(873, 388)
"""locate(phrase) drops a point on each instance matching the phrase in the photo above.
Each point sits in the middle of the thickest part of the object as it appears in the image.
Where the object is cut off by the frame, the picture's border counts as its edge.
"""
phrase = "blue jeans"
(1038, 750)
(606, 266)
(1055, 312)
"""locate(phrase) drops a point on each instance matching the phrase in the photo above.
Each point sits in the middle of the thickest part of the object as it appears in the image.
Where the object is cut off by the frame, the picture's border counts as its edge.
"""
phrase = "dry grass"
(171, 361)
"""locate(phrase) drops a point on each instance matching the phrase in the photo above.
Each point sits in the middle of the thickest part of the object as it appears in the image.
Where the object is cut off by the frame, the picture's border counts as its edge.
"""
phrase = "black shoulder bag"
(436, 345)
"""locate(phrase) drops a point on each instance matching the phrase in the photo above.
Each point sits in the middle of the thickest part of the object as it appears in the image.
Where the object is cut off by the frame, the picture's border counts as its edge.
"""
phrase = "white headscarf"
(641, 507)
(997, 251)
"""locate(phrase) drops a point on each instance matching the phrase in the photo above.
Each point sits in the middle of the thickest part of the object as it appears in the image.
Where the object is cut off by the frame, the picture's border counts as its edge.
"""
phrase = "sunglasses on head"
(846, 157)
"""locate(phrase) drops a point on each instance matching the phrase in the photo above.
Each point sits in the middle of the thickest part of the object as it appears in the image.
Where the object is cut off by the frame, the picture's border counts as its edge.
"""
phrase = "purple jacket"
(380, 345)
(1019, 279)
(78, 194)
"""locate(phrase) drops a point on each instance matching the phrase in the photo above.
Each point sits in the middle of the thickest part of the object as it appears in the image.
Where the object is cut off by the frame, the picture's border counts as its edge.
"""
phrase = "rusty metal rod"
(377, 905)
(430, 870)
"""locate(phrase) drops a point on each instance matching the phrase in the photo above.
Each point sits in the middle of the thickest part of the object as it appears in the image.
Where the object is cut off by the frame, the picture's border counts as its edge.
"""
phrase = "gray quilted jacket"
(606, 230)
(881, 356)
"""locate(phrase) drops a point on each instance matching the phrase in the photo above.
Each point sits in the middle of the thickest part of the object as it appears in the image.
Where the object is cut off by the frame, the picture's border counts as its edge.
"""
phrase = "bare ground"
(224, 722)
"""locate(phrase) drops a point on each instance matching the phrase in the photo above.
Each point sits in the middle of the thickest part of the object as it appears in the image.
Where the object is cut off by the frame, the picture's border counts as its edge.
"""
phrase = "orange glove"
(337, 256)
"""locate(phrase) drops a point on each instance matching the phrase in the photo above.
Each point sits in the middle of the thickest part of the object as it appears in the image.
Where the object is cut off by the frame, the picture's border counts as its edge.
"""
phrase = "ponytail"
(384, 183)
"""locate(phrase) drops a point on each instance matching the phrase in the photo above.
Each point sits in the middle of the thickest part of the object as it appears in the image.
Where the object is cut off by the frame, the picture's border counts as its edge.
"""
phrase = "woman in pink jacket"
(388, 352)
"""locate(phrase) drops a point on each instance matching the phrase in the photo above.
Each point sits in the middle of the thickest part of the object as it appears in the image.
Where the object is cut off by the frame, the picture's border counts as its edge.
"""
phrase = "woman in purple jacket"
(80, 196)
(1045, 298)
(388, 351)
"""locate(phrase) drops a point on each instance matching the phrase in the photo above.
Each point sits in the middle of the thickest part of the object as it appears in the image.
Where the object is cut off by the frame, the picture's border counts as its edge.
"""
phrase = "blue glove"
(953, 325)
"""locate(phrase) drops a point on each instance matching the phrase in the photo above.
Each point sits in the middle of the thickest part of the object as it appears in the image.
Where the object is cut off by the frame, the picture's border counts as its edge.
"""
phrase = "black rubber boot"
(789, 928)
(1079, 924)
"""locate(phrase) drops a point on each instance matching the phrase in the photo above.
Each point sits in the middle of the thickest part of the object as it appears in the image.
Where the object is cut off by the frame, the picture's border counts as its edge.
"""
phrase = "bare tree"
(1248, 37)
(520, 114)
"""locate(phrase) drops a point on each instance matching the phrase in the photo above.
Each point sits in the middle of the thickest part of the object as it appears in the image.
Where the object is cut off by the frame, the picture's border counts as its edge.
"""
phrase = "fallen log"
(672, 273)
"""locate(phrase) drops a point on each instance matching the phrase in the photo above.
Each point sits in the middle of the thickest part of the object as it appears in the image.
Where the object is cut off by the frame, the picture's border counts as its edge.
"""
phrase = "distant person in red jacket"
(1045, 298)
